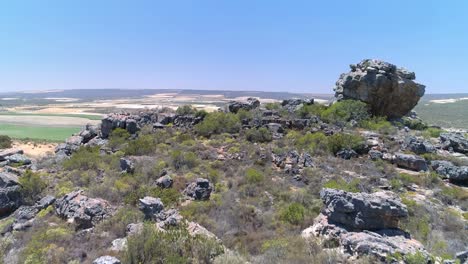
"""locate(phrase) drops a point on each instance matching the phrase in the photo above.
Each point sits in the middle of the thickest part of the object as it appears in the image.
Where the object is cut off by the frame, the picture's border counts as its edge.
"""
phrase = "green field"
(90, 117)
(57, 134)
(449, 115)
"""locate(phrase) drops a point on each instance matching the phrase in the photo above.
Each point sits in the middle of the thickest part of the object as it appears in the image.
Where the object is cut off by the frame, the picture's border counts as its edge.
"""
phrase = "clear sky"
(299, 46)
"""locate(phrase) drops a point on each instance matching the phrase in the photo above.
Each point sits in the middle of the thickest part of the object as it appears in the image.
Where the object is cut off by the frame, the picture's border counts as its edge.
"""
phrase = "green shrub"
(293, 214)
(32, 186)
(186, 110)
(311, 142)
(173, 246)
(184, 159)
(218, 123)
(169, 197)
(340, 184)
(5, 142)
(86, 158)
(253, 176)
(379, 124)
(340, 141)
(415, 124)
(258, 135)
(308, 111)
(273, 106)
(118, 137)
(345, 111)
(143, 145)
(432, 132)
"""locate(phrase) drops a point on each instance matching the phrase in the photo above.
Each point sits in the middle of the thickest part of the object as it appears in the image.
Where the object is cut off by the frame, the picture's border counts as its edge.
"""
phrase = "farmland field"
(36, 132)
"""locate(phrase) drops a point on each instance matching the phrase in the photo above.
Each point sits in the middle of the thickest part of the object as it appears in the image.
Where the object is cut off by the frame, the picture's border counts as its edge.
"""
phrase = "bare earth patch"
(35, 150)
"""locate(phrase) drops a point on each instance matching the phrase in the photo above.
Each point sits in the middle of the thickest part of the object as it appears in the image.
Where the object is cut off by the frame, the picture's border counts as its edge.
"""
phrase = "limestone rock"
(411, 162)
(85, 212)
(363, 211)
(390, 91)
(107, 260)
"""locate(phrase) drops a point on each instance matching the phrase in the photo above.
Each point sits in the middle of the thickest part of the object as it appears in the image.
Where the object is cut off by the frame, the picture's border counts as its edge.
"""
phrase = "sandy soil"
(35, 150)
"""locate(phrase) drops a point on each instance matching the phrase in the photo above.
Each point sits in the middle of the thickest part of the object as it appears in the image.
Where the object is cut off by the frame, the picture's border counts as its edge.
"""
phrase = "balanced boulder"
(390, 91)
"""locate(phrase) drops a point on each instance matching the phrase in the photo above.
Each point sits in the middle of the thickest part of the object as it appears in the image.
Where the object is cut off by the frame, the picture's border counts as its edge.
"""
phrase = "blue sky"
(299, 46)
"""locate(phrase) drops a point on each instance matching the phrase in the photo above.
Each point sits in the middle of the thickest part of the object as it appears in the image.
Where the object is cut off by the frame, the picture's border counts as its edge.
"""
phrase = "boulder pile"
(363, 224)
(387, 89)
(251, 103)
(85, 212)
(10, 193)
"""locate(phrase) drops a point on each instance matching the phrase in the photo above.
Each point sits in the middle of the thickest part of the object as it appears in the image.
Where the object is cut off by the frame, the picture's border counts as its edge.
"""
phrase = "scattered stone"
(454, 141)
(85, 212)
(199, 190)
(151, 206)
(126, 165)
(10, 193)
(412, 162)
(164, 181)
(390, 91)
(134, 228)
(19, 159)
(4, 154)
(251, 103)
(107, 260)
(119, 244)
(196, 229)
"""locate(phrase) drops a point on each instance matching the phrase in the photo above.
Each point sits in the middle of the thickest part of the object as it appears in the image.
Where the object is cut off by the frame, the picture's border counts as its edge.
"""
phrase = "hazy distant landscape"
(55, 115)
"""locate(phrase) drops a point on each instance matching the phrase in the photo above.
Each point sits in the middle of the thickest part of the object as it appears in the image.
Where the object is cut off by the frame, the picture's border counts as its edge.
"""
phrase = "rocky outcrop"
(4, 154)
(411, 162)
(199, 190)
(455, 142)
(346, 154)
(388, 90)
(455, 174)
(235, 106)
(10, 193)
(24, 216)
(418, 145)
(295, 104)
(107, 260)
(363, 224)
(81, 210)
(362, 211)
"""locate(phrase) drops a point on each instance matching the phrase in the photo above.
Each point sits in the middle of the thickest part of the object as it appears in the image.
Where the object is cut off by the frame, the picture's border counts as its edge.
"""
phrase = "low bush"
(340, 141)
(143, 145)
(379, 124)
(432, 132)
(258, 135)
(172, 246)
(218, 123)
(5, 142)
(293, 214)
(118, 137)
(32, 186)
(308, 111)
(86, 158)
(184, 159)
(253, 176)
(345, 111)
(340, 184)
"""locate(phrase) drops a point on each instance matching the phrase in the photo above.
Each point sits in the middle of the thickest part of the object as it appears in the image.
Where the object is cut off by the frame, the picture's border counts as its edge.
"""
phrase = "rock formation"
(85, 212)
(199, 190)
(364, 224)
(10, 193)
(390, 91)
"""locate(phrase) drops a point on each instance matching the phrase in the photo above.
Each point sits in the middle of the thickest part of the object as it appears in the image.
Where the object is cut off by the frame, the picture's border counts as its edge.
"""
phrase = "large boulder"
(199, 190)
(10, 193)
(390, 91)
(419, 145)
(151, 206)
(364, 224)
(363, 211)
(85, 212)
(455, 174)
(411, 162)
(454, 141)
(4, 154)
(295, 104)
